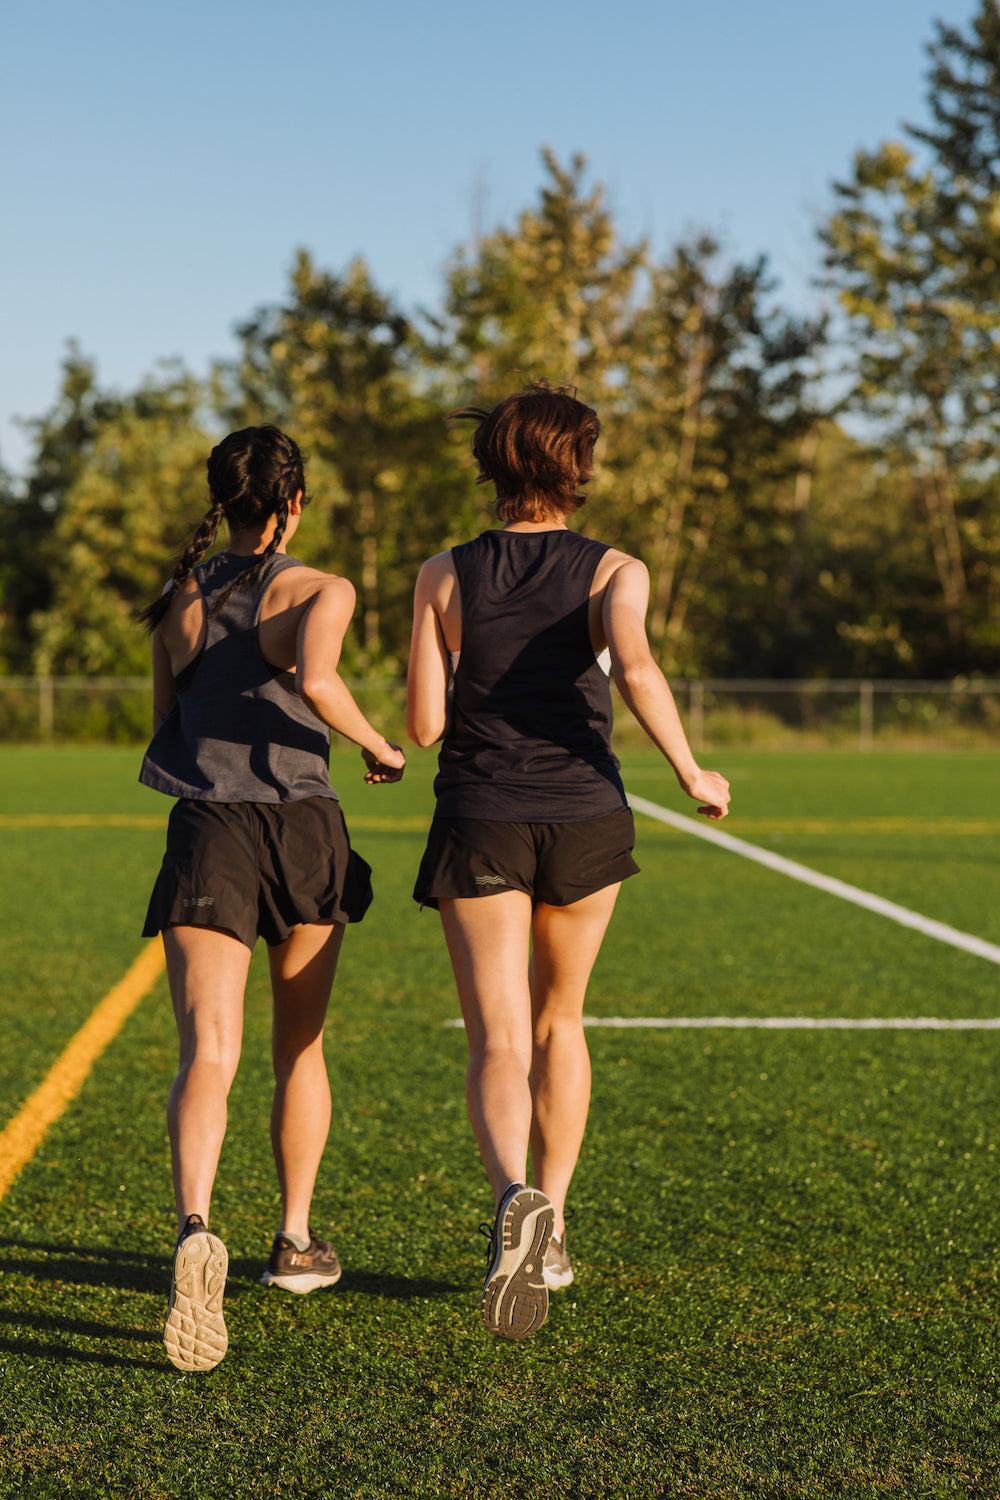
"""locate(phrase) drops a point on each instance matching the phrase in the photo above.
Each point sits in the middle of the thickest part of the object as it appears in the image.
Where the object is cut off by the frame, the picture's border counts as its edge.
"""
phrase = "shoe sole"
(194, 1334)
(515, 1298)
(306, 1281)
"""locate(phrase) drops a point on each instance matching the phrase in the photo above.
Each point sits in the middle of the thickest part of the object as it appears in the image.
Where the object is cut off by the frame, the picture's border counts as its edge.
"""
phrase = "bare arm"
(318, 647)
(430, 664)
(645, 689)
(177, 640)
(164, 692)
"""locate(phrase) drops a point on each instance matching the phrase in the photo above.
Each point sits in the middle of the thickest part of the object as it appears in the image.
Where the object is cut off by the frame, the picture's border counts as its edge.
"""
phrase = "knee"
(500, 1052)
(288, 1052)
(552, 1029)
(211, 1051)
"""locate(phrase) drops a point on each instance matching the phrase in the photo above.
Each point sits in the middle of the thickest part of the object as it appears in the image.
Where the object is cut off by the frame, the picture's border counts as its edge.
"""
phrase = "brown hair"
(537, 448)
(252, 474)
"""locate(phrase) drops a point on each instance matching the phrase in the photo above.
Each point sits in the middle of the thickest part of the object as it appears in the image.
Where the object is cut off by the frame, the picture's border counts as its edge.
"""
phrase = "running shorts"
(557, 863)
(258, 869)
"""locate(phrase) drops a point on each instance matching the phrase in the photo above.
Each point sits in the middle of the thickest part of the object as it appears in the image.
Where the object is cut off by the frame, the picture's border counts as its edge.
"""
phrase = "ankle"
(300, 1241)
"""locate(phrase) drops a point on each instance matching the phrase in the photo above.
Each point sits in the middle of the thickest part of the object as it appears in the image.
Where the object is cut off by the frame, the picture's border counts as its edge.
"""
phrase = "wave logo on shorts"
(490, 880)
(198, 901)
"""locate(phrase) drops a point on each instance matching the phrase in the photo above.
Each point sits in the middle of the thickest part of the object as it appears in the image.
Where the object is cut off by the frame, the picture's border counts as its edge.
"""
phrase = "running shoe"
(194, 1334)
(301, 1270)
(515, 1297)
(558, 1268)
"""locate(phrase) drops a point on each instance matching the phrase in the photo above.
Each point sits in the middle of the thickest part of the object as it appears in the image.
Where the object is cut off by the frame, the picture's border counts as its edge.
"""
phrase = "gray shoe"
(515, 1297)
(194, 1334)
(558, 1268)
(301, 1270)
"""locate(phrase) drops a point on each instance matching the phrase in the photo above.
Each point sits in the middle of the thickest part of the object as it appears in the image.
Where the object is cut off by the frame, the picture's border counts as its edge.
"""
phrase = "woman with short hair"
(532, 835)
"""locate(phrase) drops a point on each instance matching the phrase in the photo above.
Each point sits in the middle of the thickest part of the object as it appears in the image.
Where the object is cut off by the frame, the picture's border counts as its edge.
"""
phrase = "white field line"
(786, 1023)
(901, 914)
(801, 1023)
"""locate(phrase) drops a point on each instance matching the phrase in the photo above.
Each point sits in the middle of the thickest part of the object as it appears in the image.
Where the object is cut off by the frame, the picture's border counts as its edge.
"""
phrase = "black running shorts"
(557, 863)
(258, 869)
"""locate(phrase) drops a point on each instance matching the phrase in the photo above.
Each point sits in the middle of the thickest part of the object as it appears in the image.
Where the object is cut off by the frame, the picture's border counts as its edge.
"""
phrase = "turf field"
(785, 1240)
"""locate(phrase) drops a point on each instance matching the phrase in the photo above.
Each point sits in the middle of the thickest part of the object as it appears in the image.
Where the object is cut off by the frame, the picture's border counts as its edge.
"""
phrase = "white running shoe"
(515, 1298)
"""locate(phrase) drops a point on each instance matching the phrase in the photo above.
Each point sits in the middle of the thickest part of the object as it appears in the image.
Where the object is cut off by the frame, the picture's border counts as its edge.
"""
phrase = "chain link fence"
(862, 715)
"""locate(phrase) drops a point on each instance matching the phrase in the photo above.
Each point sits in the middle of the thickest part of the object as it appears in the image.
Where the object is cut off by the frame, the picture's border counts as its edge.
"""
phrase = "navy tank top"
(529, 737)
(238, 730)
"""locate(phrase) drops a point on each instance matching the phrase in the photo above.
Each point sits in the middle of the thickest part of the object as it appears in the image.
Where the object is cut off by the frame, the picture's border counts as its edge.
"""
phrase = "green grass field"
(785, 1241)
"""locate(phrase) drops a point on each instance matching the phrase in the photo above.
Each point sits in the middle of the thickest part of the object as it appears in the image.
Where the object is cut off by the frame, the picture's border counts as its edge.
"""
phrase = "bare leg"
(302, 971)
(207, 970)
(488, 941)
(566, 941)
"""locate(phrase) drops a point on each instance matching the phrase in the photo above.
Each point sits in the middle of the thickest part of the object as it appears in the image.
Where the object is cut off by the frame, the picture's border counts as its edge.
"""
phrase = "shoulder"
(622, 568)
(297, 581)
(436, 572)
(182, 598)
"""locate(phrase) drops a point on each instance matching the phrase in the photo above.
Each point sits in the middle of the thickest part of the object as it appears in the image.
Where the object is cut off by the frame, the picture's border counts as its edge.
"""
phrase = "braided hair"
(252, 474)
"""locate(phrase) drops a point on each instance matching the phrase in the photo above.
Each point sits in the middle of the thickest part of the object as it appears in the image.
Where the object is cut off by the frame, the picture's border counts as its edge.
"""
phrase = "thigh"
(207, 971)
(565, 943)
(302, 973)
(488, 941)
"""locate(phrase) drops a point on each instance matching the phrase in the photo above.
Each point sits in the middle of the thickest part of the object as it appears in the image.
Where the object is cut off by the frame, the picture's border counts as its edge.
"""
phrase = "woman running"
(532, 835)
(246, 691)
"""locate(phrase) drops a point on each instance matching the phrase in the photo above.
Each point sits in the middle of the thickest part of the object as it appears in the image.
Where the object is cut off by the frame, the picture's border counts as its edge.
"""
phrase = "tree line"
(813, 496)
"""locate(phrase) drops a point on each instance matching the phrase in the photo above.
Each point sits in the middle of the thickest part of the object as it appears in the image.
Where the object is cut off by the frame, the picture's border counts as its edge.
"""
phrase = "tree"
(551, 297)
(699, 382)
(137, 491)
(704, 431)
(339, 365)
(913, 252)
(62, 441)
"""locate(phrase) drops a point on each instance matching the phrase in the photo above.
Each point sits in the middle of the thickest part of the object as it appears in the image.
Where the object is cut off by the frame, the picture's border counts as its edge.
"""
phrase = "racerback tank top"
(238, 731)
(529, 738)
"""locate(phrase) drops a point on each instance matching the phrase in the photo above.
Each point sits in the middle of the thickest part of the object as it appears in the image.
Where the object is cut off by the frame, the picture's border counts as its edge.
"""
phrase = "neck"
(536, 526)
(250, 543)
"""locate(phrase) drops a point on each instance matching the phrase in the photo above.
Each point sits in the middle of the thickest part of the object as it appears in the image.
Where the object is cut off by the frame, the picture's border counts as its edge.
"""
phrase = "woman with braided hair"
(246, 690)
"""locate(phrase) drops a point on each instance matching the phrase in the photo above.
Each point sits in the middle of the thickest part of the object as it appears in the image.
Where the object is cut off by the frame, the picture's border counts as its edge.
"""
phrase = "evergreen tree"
(338, 365)
(137, 489)
(913, 251)
(62, 441)
(550, 298)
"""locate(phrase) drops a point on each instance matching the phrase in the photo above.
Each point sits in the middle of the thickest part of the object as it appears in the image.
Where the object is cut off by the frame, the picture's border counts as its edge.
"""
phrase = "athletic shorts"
(258, 869)
(557, 863)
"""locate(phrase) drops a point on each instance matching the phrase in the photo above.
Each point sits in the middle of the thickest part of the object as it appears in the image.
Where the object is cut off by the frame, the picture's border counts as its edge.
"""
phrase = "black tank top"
(529, 739)
(238, 730)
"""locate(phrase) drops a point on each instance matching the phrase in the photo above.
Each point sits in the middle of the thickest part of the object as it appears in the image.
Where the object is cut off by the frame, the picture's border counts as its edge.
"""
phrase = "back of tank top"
(529, 739)
(238, 730)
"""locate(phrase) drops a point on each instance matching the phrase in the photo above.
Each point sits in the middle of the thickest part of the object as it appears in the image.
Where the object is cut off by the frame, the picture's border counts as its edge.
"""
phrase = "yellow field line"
(159, 821)
(64, 1080)
(419, 823)
(82, 820)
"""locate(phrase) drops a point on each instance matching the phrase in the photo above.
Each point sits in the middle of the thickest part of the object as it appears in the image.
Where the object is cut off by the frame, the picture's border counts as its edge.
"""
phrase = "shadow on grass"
(396, 1288)
(63, 1354)
(128, 1270)
(139, 1271)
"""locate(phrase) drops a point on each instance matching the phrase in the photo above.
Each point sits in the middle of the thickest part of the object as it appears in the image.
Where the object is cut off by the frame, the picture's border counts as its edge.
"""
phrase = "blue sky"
(159, 164)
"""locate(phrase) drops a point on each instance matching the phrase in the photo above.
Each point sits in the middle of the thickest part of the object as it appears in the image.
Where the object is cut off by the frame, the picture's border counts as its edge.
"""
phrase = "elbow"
(638, 678)
(313, 687)
(422, 731)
